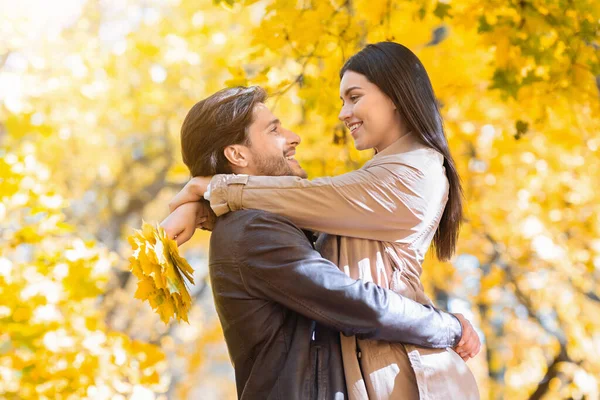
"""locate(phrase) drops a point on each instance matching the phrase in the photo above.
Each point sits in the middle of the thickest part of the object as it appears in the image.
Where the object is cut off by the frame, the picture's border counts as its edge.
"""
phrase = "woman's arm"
(183, 220)
(383, 202)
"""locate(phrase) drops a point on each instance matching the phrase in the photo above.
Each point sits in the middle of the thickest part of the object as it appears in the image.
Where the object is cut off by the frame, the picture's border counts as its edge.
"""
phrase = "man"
(280, 303)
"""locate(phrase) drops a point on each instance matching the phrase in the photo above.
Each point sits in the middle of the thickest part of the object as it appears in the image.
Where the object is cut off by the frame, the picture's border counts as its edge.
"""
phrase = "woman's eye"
(354, 98)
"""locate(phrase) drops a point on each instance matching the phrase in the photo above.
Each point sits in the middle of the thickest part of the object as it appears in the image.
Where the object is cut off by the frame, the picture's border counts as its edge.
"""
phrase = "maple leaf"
(162, 273)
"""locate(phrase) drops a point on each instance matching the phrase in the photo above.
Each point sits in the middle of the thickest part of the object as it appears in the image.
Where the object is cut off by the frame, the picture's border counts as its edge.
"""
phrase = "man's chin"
(300, 173)
(282, 168)
(297, 172)
(296, 169)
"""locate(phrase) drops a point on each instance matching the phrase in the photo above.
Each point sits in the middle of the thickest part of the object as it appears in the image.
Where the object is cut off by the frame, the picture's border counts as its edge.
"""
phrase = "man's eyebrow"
(350, 89)
(273, 122)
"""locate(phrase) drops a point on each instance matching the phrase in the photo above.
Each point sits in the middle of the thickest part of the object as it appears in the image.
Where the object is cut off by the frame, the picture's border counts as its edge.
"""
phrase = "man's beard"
(272, 166)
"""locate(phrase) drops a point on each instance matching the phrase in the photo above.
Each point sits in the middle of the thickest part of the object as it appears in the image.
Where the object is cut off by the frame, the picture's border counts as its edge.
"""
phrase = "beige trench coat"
(380, 221)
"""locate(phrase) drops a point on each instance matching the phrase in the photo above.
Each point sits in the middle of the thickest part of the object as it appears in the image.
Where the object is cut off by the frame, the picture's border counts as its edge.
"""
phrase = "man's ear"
(238, 155)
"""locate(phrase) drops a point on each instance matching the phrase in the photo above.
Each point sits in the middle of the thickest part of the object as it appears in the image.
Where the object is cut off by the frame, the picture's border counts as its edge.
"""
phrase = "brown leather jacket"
(281, 305)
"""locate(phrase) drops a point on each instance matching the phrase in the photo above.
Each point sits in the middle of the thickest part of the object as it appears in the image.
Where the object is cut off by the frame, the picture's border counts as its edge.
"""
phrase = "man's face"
(272, 147)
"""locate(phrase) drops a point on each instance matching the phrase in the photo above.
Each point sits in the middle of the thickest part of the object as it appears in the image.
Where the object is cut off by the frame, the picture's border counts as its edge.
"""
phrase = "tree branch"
(523, 298)
(551, 373)
(521, 295)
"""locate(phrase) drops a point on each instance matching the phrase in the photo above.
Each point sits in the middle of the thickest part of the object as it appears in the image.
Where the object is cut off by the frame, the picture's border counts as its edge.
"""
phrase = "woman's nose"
(345, 113)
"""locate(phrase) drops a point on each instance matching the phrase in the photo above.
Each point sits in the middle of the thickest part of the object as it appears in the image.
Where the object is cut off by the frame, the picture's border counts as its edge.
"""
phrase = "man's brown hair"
(214, 123)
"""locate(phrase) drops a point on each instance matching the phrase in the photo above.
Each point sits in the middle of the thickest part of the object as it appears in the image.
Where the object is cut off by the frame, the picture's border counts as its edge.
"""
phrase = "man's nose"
(345, 113)
(292, 138)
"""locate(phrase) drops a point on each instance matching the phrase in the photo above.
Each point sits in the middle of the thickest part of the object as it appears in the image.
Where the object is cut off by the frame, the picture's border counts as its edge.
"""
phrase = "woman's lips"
(355, 131)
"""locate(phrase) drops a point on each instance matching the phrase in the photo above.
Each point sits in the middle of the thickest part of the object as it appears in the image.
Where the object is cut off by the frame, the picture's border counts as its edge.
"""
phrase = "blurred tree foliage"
(89, 117)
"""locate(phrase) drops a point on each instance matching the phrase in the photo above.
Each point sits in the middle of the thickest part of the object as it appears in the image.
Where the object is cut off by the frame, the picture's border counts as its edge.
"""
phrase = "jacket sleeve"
(377, 203)
(279, 264)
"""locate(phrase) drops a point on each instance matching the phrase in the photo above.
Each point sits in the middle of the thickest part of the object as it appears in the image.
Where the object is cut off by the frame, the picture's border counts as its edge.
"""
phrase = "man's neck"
(243, 171)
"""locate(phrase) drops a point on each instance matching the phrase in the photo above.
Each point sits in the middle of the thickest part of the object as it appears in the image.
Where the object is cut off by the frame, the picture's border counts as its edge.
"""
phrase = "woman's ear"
(237, 155)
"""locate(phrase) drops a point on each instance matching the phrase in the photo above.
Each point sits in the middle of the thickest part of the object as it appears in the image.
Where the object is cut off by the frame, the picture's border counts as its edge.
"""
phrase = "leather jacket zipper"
(316, 382)
(358, 351)
(359, 357)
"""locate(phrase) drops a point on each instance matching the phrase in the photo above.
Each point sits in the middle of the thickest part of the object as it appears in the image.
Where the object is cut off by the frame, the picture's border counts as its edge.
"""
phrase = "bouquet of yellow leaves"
(161, 272)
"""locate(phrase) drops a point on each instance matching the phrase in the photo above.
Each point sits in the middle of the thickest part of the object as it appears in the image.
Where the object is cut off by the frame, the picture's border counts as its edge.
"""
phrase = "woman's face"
(370, 115)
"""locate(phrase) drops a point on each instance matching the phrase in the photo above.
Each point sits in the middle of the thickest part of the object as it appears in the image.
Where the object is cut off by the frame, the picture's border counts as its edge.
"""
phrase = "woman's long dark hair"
(399, 74)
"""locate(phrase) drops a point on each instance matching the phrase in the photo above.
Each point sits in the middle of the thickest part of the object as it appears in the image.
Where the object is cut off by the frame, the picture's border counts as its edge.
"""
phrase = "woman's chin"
(360, 146)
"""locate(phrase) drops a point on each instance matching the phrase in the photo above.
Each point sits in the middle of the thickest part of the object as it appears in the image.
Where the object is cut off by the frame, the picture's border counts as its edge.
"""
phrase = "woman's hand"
(192, 191)
(469, 344)
(182, 223)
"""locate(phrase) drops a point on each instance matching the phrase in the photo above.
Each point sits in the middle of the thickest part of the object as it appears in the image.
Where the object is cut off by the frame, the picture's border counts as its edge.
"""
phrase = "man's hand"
(469, 344)
(192, 191)
(182, 223)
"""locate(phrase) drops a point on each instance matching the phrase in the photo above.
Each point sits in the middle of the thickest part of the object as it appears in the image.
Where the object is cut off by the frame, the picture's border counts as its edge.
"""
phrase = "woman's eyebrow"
(350, 89)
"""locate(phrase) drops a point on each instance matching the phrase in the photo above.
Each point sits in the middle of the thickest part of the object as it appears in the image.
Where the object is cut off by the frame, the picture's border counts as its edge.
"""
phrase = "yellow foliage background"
(92, 95)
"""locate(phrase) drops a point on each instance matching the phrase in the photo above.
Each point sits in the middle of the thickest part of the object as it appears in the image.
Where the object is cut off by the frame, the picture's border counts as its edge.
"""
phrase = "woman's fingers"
(171, 229)
(200, 221)
(203, 209)
(184, 236)
(181, 223)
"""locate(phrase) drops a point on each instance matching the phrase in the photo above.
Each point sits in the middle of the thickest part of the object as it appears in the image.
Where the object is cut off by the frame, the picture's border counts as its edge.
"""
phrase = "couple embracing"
(341, 314)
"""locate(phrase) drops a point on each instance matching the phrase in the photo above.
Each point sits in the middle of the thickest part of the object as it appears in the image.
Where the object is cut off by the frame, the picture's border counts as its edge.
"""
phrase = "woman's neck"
(391, 139)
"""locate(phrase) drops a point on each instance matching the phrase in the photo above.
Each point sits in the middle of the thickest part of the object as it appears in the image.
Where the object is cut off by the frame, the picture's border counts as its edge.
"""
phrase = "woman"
(381, 219)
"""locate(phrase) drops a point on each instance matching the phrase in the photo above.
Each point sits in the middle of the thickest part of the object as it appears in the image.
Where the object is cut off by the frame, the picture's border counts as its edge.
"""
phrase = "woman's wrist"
(198, 186)
(195, 187)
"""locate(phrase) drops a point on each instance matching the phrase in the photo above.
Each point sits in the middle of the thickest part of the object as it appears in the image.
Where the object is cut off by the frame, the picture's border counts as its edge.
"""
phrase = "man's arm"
(281, 265)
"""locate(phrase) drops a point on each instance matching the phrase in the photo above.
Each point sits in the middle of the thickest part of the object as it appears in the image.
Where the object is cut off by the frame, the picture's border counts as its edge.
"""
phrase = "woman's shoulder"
(418, 157)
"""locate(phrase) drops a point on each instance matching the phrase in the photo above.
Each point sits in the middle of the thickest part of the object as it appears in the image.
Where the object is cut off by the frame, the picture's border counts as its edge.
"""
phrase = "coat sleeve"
(377, 203)
(280, 265)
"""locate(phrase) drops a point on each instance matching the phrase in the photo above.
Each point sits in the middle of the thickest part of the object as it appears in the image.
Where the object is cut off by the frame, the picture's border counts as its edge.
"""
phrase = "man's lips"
(289, 157)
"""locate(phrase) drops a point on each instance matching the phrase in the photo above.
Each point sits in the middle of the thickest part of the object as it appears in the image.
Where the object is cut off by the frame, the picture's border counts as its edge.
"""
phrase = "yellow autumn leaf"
(161, 271)
(502, 51)
(145, 289)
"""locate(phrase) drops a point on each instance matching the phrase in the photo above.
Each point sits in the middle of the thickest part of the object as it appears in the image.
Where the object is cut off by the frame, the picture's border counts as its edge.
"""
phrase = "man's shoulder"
(233, 226)
(238, 234)
(241, 219)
